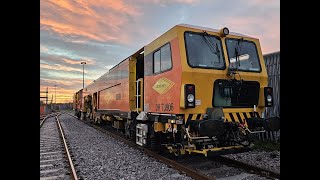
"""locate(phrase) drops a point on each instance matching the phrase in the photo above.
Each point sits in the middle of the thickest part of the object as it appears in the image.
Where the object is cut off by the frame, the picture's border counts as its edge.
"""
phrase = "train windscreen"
(204, 50)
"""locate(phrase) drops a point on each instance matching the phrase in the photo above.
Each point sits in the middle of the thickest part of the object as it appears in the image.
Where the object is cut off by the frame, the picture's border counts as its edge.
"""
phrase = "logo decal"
(163, 85)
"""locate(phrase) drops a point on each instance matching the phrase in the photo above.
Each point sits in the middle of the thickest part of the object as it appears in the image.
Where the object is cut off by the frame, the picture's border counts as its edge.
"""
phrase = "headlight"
(269, 98)
(226, 31)
(190, 98)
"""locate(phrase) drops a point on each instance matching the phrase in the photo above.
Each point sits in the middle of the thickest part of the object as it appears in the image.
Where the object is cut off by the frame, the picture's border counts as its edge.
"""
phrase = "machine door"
(139, 95)
(139, 82)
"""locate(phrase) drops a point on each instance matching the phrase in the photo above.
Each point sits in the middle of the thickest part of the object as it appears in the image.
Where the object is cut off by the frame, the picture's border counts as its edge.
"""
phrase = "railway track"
(44, 117)
(55, 158)
(199, 167)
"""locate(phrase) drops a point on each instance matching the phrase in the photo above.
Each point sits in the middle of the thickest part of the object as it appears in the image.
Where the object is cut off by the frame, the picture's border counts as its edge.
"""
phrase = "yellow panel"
(261, 98)
(236, 117)
(167, 126)
(158, 127)
(175, 126)
(194, 117)
(242, 117)
(132, 83)
(248, 115)
(141, 97)
(160, 41)
(227, 116)
(185, 118)
(182, 98)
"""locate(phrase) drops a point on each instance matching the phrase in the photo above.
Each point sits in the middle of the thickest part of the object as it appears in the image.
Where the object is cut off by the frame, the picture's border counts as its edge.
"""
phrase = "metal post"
(83, 63)
(55, 96)
(47, 96)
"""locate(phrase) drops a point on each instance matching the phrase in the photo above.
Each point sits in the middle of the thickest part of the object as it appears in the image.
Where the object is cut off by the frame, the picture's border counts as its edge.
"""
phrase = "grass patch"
(266, 145)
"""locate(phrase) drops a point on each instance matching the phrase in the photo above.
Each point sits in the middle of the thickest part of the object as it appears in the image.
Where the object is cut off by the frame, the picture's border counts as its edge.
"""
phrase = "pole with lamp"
(55, 96)
(83, 63)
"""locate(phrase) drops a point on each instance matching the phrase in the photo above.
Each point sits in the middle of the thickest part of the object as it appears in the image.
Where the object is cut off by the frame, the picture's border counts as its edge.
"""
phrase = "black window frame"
(159, 49)
(214, 89)
(222, 51)
(255, 46)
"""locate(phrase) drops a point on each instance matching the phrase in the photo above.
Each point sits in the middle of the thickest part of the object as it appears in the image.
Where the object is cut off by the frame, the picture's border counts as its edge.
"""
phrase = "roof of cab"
(210, 29)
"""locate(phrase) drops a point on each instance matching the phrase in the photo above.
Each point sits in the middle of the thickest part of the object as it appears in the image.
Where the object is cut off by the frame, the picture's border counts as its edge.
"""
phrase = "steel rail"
(44, 118)
(74, 174)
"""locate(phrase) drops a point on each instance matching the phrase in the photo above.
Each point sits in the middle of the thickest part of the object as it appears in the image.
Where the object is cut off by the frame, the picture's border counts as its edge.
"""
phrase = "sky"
(104, 32)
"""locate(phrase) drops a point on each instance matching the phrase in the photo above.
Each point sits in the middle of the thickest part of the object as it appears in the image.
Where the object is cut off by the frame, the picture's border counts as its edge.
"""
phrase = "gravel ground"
(217, 170)
(263, 159)
(99, 156)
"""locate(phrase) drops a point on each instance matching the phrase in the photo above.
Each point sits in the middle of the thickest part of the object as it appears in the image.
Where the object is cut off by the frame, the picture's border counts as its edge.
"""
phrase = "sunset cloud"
(99, 20)
(71, 61)
(63, 82)
(66, 29)
(43, 48)
(59, 67)
(170, 1)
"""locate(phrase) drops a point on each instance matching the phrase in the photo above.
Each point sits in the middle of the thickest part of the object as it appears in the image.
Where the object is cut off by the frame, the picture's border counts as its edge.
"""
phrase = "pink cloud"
(67, 29)
(78, 7)
(119, 6)
(71, 61)
(187, 1)
(268, 31)
(43, 48)
(65, 82)
(81, 18)
(169, 2)
(60, 67)
(264, 2)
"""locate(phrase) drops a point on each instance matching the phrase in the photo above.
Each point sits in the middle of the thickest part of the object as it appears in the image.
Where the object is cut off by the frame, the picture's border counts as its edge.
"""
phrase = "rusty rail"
(74, 174)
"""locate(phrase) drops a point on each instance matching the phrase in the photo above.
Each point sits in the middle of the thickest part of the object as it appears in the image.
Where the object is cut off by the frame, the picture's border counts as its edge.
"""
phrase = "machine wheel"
(153, 144)
(95, 120)
(246, 140)
(245, 143)
(130, 129)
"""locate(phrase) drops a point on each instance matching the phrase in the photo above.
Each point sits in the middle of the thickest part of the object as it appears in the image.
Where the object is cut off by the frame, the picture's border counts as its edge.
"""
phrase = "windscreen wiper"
(237, 52)
(213, 47)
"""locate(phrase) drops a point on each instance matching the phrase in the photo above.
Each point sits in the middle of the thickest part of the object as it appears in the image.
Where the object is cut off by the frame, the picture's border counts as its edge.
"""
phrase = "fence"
(272, 62)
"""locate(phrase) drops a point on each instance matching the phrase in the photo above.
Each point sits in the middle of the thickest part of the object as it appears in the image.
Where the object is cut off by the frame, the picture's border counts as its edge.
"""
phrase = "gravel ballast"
(262, 159)
(99, 156)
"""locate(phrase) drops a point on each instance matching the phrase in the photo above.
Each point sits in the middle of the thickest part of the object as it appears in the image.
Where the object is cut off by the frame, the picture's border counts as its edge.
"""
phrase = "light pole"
(83, 63)
(55, 96)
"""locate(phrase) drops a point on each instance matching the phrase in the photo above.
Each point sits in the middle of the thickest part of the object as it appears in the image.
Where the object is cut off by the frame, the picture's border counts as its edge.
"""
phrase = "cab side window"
(162, 59)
